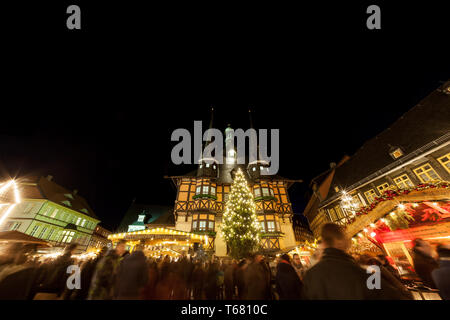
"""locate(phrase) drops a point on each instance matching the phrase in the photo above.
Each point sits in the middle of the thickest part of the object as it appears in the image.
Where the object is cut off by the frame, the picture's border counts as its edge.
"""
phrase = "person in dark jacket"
(239, 277)
(18, 278)
(288, 283)
(56, 272)
(198, 277)
(132, 276)
(105, 275)
(86, 275)
(256, 284)
(424, 261)
(337, 276)
(211, 286)
(441, 275)
(229, 282)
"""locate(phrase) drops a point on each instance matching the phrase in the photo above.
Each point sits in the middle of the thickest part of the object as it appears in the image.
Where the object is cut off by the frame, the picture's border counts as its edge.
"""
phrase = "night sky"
(96, 109)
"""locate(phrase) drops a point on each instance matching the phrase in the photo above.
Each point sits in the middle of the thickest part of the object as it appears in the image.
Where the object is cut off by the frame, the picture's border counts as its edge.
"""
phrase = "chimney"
(49, 178)
(75, 191)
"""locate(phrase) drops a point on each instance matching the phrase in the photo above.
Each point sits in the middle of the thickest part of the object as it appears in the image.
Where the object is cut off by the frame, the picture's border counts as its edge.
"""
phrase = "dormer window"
(254, 169)
(261, 168)
(397, 153)
(201, 166)
(214, 167)
(67, 203)
(207, 165)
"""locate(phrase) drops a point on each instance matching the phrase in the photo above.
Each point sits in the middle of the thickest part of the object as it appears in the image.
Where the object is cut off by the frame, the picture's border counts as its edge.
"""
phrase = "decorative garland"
(394, 192)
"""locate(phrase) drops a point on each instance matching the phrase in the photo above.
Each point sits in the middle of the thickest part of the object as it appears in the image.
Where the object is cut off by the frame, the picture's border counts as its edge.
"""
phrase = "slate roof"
(35, 187)
(424, 123)
(155, 214)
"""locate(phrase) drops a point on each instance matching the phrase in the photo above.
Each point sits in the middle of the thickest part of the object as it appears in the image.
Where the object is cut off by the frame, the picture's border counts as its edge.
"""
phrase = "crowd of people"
(117, 274)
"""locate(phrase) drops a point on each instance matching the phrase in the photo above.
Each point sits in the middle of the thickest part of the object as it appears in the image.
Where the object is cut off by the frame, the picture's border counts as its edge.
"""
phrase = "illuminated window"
(211, 225)
(202, 226)
(213, 190)
(16, 226)
(397, 153)
(263, 229)
(403, 182)
(197, 191)
(205, 190)
(257, 192)
(370, 195)
(78, 221)
(271, 226)
(54, 213)
(49, 235)
(83, 223)
(254, 169)
(207, 165)
(41, 235)
(336, 189)
(33, 232)
(265, 192)
(383, 187)
(445, 161)
(426, 173)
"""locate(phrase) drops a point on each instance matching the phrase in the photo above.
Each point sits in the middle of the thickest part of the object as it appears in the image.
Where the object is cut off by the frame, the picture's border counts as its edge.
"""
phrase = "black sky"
(96, 109)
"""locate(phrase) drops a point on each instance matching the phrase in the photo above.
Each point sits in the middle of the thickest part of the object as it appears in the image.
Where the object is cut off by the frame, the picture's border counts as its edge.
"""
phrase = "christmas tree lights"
(240, 225)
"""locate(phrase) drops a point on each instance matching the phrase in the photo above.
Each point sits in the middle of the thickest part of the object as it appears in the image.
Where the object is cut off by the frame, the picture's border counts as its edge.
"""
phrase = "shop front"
(161, 241)
(391, 225)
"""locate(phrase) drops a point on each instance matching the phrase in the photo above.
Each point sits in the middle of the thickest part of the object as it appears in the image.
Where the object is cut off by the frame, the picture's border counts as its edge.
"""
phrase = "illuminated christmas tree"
(240, 224)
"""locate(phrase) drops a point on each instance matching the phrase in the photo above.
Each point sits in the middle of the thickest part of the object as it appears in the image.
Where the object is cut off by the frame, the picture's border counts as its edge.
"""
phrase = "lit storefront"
(395, 220)
(160, 241)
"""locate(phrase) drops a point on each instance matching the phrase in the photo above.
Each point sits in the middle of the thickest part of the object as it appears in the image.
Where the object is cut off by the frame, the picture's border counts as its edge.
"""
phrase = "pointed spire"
(210, 126)
(212, 117)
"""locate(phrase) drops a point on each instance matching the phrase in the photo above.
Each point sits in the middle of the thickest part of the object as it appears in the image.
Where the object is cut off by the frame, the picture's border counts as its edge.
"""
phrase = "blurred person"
(337, 276)
(87, 273)
(18, 276)
(317, 254)
(288, 283)
(55, 274)
(198, 276)
(148, 293)
(105, 275)
(385, 263)
(239, 277)
(366, 261)
(441, 275)
(256, 275)
(298, 266)
(132, 275)
(211, 282)
(229, 282)
(424, 262)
